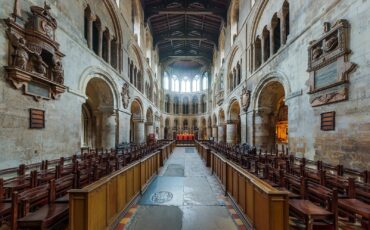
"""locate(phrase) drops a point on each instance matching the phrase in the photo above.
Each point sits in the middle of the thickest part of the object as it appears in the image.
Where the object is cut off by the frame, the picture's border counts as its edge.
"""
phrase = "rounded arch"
(98, 126)
(233, 109)
(271, 77)
(96, 72)
(234, 19)
(214, 120)
(256, 18)
(221, 117)
(137, 55)
(272, 112)
(232, 62)
(149, 115)
(137, 110)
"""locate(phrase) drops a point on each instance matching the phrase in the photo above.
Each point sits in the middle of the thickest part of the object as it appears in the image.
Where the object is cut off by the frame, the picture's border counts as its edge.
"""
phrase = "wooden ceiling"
(185, 29)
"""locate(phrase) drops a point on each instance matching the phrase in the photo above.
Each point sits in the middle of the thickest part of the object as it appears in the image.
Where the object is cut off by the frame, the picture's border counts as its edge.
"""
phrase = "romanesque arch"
(221, 126)
(233, 128)
(137, 122)
(271, 122)
(98, 115)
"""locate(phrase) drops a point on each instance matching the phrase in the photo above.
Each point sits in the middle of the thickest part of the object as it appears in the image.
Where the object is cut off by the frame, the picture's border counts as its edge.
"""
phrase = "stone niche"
(328, 65)
(35, 62)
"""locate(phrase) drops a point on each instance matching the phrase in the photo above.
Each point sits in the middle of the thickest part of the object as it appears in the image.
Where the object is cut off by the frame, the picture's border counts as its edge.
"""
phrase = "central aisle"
(184, 196)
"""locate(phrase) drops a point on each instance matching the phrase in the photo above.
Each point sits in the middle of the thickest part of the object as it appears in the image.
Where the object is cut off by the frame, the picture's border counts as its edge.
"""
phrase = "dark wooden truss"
(185, 28)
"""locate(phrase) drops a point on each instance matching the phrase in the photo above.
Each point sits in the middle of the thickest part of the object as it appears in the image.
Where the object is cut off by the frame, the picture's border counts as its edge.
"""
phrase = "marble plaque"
(326, 76)
(38, 90)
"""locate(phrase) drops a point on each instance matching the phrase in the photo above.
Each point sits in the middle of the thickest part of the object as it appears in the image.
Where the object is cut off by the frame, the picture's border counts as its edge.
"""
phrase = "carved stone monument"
(245, 98)
(35, 62)
(125, 95)
(328, 65)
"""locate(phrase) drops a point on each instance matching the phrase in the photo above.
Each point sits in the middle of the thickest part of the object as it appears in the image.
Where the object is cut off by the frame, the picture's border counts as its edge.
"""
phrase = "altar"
(185, 137)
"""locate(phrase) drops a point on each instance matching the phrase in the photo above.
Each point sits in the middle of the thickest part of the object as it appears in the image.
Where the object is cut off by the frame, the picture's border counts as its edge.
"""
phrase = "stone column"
(221, 133)
(282, 28)
(90, 20)
(109, 50)
(97, 132)
(253, 58)
(149, 129)
(243, 128)
(209, 132)
(124, 131)
(200, 102)
(100, 50)
(272, 42)
(109, 130)
(215, 133)
(262, 49)
(139, 132)
(231, 132)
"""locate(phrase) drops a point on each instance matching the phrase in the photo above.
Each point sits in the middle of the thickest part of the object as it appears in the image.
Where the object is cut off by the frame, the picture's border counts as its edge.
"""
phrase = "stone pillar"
(97, 132)
(231, 132)
(124, 131)
(109, 50)
(215, 133)
(109, 130)
(253, 57)
(149, 129)
(272, 42)
(100, 50)
(262, 49)
(139, 132)
(200, 105)
(209, 132)
(90, 20)
(221, 133)
(243, 128)
(282, 28)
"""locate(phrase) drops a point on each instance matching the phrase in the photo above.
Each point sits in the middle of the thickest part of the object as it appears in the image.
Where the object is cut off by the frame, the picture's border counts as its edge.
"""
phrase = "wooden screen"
(328, 121)
(37, 119)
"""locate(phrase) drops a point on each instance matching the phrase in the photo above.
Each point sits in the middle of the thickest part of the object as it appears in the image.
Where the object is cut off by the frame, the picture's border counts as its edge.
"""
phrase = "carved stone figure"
(40, 65)
(331, 44)
(58, 72)
(245, 98)
(316, 53)
(125, 95)
(20, 54)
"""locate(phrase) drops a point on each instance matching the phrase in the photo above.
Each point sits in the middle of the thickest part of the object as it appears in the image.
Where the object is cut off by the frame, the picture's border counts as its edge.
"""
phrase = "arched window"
(95, 38)
(205, 81)
(186, 84)
(196, 84)
(105, 41)
(175, 84)
(176, 105)
(166, 82)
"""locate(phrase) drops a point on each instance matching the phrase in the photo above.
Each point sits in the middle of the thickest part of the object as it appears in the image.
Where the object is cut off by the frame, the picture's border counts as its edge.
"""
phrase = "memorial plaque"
(326, 76)
(37, 119)
(328, 65)
(38, 90)
(328, 121)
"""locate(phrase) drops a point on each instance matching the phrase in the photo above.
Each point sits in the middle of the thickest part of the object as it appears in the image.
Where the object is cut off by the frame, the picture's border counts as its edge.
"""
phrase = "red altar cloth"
(185, 137)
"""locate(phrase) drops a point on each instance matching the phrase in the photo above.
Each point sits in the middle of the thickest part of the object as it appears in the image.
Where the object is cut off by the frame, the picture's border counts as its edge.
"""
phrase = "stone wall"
(62, 134)
(346, 144)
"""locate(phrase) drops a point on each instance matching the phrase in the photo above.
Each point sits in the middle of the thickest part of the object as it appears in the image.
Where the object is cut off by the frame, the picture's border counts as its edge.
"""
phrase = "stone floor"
(184, 196)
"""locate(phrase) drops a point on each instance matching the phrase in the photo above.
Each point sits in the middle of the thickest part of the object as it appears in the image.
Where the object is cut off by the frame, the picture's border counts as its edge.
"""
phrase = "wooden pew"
(47, 216)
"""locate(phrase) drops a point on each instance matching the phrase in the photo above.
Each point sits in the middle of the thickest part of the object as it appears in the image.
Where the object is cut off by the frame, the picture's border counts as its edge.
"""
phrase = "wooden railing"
(98, 205)
(264, 206)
